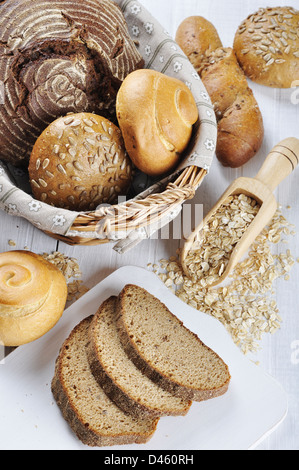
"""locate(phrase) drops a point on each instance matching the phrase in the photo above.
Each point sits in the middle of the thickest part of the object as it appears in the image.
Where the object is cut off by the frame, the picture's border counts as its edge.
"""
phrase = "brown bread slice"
(93, 417)
(121, 380)
(165, 350)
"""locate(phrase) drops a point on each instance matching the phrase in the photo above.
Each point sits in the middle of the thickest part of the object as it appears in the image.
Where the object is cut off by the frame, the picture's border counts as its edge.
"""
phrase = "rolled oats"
(245, 304)
(213, 246)
(71, 271)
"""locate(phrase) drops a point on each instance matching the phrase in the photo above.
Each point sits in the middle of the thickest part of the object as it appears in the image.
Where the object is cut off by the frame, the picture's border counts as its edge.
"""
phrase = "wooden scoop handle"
(280, 163)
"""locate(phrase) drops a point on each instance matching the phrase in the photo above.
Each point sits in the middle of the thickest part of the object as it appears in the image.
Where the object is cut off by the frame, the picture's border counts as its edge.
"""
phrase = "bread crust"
(112, 390)
(70, 57)
(86, 436)
(240, 122)
(79, 162)
(68, 409)
(117, 393)
(269, 55)
(33, 294)
(156, 114)
(149, 369)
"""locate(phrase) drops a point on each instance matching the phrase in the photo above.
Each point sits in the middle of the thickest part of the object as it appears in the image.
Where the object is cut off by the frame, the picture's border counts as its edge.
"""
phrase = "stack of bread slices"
(131, 363)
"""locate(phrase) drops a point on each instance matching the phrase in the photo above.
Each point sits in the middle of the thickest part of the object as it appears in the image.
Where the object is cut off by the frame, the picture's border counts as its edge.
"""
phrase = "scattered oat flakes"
(245, 305)
(12, 243)
(71, 271)
(76, 289)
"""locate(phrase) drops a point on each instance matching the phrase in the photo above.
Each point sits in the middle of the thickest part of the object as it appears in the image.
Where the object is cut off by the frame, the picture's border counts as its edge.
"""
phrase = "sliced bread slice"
(121, 380)
(165, 350)
(93, 417)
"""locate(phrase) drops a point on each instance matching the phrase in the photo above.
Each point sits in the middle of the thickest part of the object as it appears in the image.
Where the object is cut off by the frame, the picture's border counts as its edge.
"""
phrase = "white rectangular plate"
(30, 419)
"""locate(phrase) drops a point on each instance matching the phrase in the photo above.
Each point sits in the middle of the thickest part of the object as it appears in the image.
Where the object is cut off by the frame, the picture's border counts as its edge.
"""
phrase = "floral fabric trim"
(160, 53)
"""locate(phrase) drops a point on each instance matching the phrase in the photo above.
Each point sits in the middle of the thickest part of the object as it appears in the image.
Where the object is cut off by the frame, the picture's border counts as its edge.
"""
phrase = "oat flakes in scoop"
(212, 249)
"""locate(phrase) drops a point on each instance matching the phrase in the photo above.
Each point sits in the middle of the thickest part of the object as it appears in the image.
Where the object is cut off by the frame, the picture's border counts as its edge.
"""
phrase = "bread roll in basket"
(153, 203)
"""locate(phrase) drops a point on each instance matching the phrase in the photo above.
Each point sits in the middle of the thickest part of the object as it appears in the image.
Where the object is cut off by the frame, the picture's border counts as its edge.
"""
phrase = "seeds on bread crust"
(268, 55)
(94, 156)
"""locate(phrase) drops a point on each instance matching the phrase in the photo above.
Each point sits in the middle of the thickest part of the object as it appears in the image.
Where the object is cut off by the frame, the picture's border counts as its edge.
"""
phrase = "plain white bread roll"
(156, 114)
(33, 294)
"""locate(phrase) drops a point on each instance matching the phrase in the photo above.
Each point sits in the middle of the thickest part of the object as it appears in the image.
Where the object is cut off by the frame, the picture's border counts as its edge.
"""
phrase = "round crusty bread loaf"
(57, 57)
(79, 162)
(33, 294)
(156, 114)
(267, 46)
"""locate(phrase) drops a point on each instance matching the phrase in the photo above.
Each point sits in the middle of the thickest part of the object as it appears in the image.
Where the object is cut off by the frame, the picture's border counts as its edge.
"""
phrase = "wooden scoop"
(279, 164)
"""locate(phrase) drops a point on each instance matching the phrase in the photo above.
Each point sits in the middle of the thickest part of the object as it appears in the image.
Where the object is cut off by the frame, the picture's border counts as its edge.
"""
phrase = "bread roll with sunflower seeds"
(267, 46)
(80, 162)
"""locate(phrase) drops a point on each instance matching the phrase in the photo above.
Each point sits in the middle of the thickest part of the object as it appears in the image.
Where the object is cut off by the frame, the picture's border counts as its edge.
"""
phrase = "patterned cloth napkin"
(160, 53)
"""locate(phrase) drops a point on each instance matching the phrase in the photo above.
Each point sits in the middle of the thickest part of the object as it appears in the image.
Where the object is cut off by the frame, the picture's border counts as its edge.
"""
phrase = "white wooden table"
(278, 356)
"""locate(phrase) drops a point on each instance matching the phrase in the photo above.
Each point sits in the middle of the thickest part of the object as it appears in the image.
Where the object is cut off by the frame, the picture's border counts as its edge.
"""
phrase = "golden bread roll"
(267, 46)
(240, 122)
(199, 38)
(156, 114)
(33, 294)
(80, 162)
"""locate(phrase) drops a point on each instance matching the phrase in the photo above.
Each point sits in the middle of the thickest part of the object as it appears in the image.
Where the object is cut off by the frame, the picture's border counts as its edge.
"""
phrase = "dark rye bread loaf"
(165, 350)
(56, 57)
(92, 416)
(121, 380)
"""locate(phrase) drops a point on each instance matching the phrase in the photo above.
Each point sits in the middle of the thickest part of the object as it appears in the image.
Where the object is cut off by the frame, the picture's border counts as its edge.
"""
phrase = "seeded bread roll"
(56, 57)
(33, 294)
(267, 46)
(240, 122)
(156, 114)
(79, 162)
